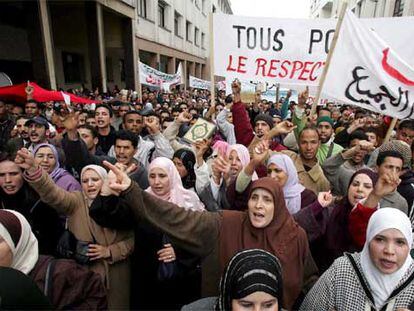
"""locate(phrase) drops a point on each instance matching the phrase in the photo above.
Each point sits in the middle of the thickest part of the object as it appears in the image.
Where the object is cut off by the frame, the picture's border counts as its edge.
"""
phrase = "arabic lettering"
(381, 100)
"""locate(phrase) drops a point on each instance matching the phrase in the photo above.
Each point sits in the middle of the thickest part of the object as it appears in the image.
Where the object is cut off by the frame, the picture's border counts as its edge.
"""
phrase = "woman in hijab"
(47, 157)
(225, 169)
(252, 277)
(381, 277)
(184, 161)
(166, 268)
(108, 250)
(216, 237)
(74, 287)
(347, 223)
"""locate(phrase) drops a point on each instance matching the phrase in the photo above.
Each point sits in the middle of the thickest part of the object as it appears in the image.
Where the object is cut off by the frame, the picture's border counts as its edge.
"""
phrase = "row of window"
(192, 33)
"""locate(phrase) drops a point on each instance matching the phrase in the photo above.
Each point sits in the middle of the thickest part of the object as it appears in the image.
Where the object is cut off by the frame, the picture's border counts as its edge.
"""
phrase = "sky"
(272, 8)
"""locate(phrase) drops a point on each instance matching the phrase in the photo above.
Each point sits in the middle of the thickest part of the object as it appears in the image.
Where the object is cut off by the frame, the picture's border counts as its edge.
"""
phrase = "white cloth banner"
(366, 71)
(156, 78)
(199, 83)
(289, 51)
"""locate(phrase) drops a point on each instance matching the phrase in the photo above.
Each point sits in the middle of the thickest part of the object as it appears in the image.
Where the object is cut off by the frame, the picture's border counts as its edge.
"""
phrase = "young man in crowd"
(306, 162)
(106, 133)
(38, 128)
(151, 146)
(328, 147)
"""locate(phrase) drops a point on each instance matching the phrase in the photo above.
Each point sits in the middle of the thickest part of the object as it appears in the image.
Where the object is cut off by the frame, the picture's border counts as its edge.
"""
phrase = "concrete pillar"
(171, 65)
(35, 38)
(47, 42)
(192, 69)
(184, 64)
(131, 58)
(96, 44)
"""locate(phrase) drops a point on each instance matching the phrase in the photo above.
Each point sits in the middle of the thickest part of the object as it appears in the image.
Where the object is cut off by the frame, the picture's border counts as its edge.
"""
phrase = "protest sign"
(152, 77)
(199, 83)
(372, 75)
(289, 51)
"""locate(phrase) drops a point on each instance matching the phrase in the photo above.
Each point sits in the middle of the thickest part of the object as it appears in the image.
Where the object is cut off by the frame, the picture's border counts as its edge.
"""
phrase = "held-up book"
(200, 130)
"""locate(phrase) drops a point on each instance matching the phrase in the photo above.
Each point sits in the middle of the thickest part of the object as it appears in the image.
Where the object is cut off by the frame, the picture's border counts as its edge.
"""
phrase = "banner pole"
(277, 93)
(211, 44)
(139, 81)
(329, 57)
(390, 129)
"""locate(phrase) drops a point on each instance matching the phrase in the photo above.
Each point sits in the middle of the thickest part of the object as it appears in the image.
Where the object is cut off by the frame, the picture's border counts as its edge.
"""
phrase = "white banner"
(156, 78)
(199, 83)
(289, 51)
(371, 75)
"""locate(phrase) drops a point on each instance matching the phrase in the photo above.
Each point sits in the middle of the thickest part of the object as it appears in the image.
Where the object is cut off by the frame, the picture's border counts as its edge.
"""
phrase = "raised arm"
(196, 232)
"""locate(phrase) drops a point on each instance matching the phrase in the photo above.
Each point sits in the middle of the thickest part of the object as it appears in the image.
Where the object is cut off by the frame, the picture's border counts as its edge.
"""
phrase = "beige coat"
(314, 179)
(115, 271)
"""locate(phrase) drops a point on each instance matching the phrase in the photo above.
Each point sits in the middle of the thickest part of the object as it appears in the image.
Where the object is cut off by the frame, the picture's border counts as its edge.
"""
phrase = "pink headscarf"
(243, 154)
(220, 147)
(187, 199)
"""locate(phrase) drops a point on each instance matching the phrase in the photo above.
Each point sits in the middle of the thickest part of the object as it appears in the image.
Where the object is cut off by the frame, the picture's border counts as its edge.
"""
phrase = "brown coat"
(198, 233)
(314, 179)
(114, 271)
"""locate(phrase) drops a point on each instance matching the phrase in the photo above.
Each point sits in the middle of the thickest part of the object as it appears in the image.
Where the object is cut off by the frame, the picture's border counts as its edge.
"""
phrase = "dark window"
(73, 68)
(109, 70)
(196, 32)
(398, 8)
(203, 40)
(161, 14)
(188, 31)
(142, 8)
(122, 69)
(177, 22)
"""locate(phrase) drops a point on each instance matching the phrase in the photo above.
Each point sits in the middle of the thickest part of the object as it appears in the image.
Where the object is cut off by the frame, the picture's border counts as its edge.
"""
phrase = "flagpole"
(211, 44)
(139, 82)
(329, 57)
(390, 129)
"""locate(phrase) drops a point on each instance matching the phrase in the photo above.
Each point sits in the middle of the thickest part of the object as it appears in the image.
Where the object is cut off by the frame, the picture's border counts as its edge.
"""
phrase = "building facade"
(172, 31)
(363, 8)
(98, 43)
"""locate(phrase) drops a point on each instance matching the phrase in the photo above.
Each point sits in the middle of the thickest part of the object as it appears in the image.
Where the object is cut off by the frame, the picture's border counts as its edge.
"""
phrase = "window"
(398, 7)
(203, 40)
(109, 70)
(214, 9)
(73, 68)
(122, 69)
(177, 24)
(142, 8)
(161, 14)
(188, 31)
(196, 33)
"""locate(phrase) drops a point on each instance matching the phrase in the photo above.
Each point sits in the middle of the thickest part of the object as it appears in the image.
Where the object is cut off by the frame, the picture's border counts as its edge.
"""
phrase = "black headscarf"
(247, 272)
(187, 157)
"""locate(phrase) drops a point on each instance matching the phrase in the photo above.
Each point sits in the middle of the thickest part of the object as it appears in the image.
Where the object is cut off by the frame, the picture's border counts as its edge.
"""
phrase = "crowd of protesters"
(109, 206)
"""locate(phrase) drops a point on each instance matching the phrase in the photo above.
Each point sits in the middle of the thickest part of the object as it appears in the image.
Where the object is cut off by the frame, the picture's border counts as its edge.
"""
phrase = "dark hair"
(324, 108)
(176, 109)
(127, 135)
(406, 124)
(91, 114)
(91, 129)
(229, 99)
(389, 153)
(22, 116)
(168, 119)
(357, 134)
(111, 113)
(129, 113)
(309, 127)
(5, 156)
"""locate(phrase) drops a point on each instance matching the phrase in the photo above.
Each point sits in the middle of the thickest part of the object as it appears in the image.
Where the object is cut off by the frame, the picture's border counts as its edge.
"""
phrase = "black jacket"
(406, 189)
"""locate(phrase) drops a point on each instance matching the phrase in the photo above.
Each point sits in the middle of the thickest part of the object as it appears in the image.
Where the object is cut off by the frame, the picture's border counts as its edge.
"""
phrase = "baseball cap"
(38, 120)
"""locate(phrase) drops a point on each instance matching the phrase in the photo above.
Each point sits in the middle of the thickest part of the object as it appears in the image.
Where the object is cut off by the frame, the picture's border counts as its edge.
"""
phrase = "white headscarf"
(26, 251)
(292, 190)
(98, 169)
(382, 285)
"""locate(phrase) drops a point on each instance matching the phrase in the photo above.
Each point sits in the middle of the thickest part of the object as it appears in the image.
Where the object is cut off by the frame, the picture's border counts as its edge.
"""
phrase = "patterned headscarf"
(57, 171)
(187, 157)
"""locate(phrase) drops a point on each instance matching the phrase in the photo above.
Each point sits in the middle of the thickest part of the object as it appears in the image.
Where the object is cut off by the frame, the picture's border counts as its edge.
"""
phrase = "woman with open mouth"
(216, 237)
(108, 250)
(381, 277)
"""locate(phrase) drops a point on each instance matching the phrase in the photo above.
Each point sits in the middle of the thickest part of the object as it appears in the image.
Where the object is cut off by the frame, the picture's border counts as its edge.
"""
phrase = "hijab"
(337, 236)
(292, 190)
(17, 233)
(102, 173)
(243, 154)
(250, 271)
(382, 285)
(178, 194)
(282, 237)
(187, 157)
(57, 171)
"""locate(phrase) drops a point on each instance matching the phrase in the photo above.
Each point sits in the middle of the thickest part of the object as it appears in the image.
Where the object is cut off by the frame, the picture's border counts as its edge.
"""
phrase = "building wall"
(362, 8)
(164, 46)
